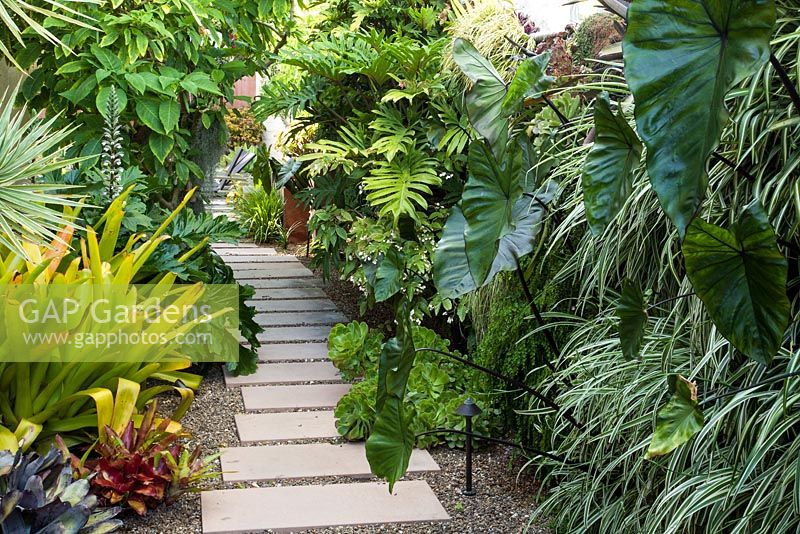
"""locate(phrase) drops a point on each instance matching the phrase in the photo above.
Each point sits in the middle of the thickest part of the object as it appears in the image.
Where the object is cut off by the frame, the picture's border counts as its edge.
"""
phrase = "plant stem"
(539, 319)
(733, 165)
(519, 446)
(516, 383)
(671, 299)
(785, 80)
(766, 382)
(561, 117)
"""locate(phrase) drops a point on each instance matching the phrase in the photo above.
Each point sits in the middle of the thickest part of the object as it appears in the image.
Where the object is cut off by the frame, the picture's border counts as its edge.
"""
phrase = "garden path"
(292, 472)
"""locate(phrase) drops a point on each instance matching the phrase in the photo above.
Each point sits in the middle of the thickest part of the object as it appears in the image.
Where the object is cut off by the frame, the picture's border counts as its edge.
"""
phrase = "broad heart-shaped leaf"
(451, 267)
(632, 313)
(608, 171)
(530, 81)
(160, 145)
(681, 59)
(169, 111)
(740, 275)
(389, 446)
(487, 202)
(485, 99)
(679, 419)
(389, 275)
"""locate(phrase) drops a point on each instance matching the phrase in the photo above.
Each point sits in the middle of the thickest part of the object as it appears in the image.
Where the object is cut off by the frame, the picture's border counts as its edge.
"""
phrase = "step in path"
(288, 431)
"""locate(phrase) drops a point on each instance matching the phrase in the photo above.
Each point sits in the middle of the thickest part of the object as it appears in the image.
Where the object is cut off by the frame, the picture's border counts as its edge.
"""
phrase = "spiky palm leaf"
(29, 149)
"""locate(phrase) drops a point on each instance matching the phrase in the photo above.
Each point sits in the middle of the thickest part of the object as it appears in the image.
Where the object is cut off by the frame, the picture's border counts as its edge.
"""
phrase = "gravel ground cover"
(502, 505)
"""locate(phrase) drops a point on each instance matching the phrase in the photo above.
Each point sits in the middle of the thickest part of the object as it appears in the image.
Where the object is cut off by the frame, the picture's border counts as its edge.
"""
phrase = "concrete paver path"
(289, 431)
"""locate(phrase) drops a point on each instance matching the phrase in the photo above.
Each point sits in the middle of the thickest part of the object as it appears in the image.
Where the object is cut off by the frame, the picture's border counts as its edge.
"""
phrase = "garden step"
(274, 306)
(306, 396)
(254, 250)
(279, 283)
(286, 373)
(283, 352)
(298, 508)
(300, 318)
(269, 260)
(259, 269)
(256, 427)
(281, 462)
(290, 294)
(294, 334)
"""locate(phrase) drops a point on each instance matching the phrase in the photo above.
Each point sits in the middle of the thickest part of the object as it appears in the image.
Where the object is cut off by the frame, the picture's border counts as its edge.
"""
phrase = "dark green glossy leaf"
(389, 275)
(679, 419)
(485, 99)
(451, 272)
(608, 172)
(632, 313)
(389, 446)
(530, 81)
(740, 275)
(488, 201)
(681, 59)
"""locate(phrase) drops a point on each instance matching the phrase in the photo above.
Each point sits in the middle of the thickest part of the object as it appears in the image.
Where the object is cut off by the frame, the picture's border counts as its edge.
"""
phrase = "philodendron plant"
(681, 61)
(495, 224)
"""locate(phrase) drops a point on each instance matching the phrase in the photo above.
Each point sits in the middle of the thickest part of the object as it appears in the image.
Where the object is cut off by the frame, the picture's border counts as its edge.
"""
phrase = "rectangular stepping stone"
(275, 306)
(300, 318)
(272, 270)
(298, 508)
(253, 264)
(289, 334)
(255, 427)
(279, 283)
(307, 396)
(286, 373)
(283, 352)
(281, 462)
(254, 250)
(261, 260)
(290, 294)
(255, 254)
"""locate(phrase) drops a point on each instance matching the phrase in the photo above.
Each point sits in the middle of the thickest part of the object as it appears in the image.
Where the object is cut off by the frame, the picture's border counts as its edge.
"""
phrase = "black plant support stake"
(785, 80)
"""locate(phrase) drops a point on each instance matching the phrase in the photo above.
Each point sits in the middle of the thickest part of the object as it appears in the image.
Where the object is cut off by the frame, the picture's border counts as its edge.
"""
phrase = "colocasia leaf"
(681, 59)
(530, 81)
(679, 419)
(632, 313)
(608, 172)
(485, 99)
(740, 275)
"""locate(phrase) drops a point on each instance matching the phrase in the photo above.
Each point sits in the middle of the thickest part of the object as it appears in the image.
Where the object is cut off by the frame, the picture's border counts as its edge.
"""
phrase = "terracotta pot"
(295, 213)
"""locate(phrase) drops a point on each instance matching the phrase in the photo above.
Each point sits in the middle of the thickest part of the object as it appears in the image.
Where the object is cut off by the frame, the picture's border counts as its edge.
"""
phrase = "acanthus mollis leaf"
(681, 59)
(678, 420)
(740, 275)
(608, 171)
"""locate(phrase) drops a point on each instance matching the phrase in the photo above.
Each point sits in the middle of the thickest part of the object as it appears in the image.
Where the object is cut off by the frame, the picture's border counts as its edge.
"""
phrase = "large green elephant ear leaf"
(740, 275)
(681, 59)
(632, 313)
(502, 225)
(391, 442)
(530, 81)
(679, 419)
(488, 202)
(485, 99)
(451, 273)
(608, 171)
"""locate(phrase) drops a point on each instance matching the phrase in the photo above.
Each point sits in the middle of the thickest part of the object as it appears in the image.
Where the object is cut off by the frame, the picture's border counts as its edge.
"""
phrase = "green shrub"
(354, 349)
(243, 128)
(592, 36)
(436, 387)
(261, 212)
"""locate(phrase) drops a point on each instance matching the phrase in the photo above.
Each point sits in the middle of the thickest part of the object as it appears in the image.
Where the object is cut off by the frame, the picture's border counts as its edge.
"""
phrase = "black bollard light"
(469, 410)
